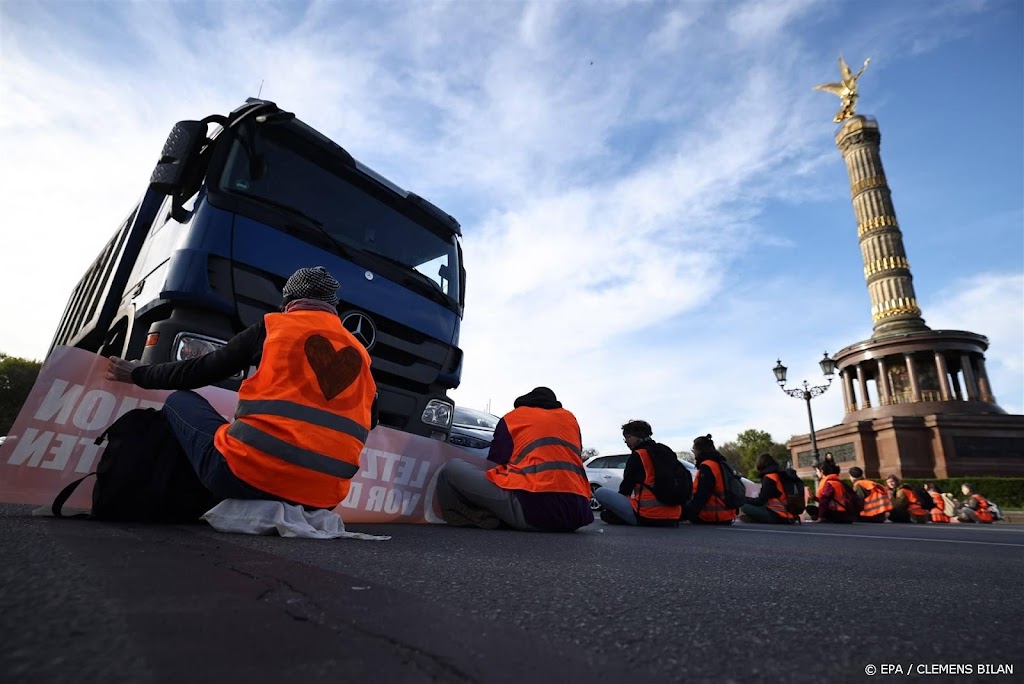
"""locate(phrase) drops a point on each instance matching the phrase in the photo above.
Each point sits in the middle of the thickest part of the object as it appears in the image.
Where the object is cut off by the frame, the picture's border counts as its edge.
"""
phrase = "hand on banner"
(120, 370)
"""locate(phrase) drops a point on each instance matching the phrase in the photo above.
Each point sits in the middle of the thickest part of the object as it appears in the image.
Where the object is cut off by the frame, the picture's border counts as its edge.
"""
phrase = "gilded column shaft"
(894, 305)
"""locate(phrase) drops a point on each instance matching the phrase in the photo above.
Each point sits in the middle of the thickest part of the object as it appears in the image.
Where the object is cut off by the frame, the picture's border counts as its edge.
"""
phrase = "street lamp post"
(828, 367)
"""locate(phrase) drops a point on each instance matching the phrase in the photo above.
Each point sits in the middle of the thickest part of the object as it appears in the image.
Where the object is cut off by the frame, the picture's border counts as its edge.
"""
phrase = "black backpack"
(795, 491)
(923, 497)
(673, 484)
(735, 492)
(143, 475)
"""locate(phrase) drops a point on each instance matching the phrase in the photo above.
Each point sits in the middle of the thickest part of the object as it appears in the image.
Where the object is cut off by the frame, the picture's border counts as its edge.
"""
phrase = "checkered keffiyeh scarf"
(312, 283)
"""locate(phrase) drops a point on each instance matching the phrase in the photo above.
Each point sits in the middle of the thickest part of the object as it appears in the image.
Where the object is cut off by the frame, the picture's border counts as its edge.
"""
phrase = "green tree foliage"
(752, 443)
(16, 379)
(731, 452)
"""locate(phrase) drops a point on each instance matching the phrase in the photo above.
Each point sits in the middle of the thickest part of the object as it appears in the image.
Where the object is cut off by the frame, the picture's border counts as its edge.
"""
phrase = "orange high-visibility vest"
(982, 511)
(303, 416)
(914, 506)
(546, 453)
(838, 492)
(877, 500)
(777, 504)
(645, 504)
(714, 508)
(938, 516)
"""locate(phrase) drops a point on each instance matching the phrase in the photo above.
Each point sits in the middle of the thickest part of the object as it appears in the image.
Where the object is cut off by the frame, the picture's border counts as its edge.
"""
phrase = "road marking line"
(872, 536)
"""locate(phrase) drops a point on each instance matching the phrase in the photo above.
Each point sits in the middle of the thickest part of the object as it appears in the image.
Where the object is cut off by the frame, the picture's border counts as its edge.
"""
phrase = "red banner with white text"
(51, 444)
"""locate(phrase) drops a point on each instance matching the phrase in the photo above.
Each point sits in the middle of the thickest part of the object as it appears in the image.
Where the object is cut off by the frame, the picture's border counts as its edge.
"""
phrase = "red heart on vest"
(335, 370)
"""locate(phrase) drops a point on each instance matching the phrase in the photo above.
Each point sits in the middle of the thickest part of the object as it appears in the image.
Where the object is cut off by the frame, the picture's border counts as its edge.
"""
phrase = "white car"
(473, 430)
(606, 471)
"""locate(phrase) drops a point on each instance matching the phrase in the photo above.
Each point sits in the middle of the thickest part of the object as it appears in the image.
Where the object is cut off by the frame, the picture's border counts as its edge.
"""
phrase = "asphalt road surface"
(82, 601)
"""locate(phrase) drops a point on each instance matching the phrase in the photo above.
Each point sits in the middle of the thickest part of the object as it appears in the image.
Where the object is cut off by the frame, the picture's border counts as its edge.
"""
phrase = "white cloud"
(764, 19)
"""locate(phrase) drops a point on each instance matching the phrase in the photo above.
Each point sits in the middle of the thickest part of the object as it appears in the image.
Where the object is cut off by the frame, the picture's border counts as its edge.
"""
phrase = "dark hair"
(856, 473)
(764, 462)
(894, 477)
(703, 445)
(930, 486)
(828, 467)
(969, 486)
(638, 428)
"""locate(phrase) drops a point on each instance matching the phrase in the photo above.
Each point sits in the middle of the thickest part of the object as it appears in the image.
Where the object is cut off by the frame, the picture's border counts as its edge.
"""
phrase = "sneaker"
(466, 515)
(744, 518)
(611, 519)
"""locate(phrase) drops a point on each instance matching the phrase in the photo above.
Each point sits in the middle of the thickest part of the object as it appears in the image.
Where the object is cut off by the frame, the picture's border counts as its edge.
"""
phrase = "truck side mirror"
(170, 174)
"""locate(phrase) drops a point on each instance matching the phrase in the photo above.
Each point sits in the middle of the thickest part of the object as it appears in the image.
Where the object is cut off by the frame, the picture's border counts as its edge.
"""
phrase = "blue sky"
(653, 206)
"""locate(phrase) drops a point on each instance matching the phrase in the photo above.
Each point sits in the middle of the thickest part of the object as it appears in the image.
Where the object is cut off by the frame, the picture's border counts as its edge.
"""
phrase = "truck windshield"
(290, 171)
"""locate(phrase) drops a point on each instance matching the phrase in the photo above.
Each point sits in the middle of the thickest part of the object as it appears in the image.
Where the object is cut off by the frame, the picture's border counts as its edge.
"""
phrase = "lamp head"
(828, 365)
(780, 372)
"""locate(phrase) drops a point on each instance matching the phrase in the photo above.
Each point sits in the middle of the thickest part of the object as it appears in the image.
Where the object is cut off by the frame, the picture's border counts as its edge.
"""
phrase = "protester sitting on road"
(875, 496)
(938, 512)
(635, 503)
(707, 507)
(975, 508)
(769, 506)
(538, 483)
(836, 501)
(301, 419)
(905, 506)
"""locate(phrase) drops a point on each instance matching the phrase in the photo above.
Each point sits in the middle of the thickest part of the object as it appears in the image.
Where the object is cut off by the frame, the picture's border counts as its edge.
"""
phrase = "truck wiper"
(341, 248)
(411, 276)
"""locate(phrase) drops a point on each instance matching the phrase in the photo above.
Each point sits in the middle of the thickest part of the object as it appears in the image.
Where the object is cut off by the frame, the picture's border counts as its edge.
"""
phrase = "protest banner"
(52, 443)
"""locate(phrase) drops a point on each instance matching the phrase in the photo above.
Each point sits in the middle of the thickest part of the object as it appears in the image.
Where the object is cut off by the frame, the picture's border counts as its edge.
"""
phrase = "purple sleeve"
(501, 446)
(826, 497)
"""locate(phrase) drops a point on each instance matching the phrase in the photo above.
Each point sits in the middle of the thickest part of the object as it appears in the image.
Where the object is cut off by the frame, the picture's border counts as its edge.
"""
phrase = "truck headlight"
(438, 413)
(189, 346)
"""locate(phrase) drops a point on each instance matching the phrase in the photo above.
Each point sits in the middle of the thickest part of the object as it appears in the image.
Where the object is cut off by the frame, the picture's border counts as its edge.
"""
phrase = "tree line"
(17, 376)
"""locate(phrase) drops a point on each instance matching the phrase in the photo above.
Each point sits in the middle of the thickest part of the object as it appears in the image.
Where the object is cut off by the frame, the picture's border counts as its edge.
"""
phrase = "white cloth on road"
(260, 516)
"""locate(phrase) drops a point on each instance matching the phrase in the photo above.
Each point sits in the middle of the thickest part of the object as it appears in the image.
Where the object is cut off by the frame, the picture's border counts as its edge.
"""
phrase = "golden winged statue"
(845, 89)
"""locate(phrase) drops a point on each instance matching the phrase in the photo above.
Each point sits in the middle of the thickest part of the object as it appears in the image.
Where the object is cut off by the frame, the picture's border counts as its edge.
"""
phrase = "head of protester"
(976, 508)
(875, 501)
(906, 503)
(654, 483)
(714, 475)
(303, 416)
(536, 480)
(772, 504)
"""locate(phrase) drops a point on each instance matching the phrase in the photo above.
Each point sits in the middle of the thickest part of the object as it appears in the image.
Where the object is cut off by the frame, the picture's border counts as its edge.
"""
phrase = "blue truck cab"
(235, 205)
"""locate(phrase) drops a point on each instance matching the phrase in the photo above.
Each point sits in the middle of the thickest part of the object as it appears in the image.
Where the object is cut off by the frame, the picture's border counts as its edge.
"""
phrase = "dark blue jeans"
(194, 421)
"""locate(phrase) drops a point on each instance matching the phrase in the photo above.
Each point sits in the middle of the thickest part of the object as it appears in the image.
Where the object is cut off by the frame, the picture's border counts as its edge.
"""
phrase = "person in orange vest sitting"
(302, 417)
(875, 496)
(836, 501)
(769, 506)
(635, 502)
(975, 508)
(536, 479)
(938, 513)
(707, 507)
(905, 506)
